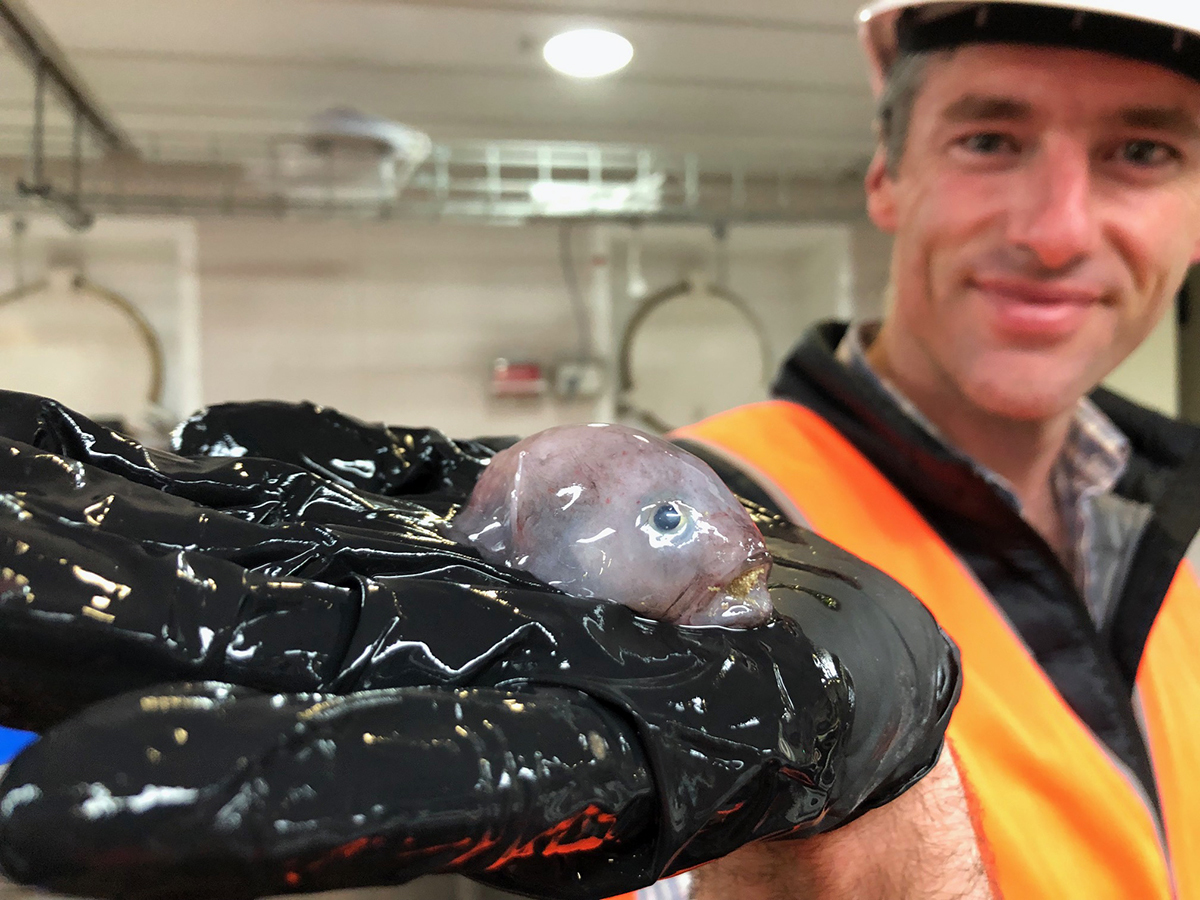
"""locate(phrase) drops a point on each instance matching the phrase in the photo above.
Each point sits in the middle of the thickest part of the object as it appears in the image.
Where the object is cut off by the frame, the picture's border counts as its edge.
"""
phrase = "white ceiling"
(761, 79)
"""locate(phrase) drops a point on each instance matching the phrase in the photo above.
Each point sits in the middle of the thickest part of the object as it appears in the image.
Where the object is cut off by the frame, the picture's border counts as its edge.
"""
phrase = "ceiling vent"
(345, 157)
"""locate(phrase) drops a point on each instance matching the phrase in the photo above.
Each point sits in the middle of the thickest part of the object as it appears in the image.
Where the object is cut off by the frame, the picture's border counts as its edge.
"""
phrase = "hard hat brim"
(1170, 36)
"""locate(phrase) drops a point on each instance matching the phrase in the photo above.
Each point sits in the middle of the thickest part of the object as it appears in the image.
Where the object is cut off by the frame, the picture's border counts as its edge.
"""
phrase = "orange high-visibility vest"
(1061, 814)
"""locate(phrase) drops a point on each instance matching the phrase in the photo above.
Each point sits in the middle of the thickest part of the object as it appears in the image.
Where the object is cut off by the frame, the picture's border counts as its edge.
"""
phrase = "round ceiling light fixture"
(588, 52)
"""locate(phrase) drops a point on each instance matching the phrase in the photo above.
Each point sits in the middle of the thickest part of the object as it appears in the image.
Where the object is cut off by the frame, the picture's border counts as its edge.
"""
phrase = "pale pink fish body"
(610, 512)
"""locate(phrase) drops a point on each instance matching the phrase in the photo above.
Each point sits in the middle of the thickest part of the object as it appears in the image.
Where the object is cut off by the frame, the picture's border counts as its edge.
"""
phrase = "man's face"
(1045, 211)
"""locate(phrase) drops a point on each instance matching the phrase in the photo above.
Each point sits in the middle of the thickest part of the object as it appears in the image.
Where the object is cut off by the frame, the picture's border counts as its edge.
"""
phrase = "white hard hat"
(1163, 31)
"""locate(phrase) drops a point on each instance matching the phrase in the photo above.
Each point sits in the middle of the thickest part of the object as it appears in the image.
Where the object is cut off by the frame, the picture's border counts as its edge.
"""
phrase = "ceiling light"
(577, 198)
(588, 52)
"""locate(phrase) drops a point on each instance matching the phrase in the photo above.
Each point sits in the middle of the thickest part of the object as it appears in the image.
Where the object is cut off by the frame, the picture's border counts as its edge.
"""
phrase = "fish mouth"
(742, 602)
(744, 585)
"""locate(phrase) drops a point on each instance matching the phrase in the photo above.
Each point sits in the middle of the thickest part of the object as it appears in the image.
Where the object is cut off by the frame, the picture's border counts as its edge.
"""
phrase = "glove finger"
(361, 456)
(210, 790)
(86, 613)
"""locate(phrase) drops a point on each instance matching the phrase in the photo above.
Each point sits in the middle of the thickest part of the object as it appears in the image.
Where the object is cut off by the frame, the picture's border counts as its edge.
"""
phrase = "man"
(1039, 167)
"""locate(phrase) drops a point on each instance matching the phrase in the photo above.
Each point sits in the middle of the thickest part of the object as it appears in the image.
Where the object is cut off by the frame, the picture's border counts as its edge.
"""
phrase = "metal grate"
(504, 181)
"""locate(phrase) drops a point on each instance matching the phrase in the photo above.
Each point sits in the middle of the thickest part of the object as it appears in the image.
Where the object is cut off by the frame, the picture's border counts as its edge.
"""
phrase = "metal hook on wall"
(680, 290)
(81, 285)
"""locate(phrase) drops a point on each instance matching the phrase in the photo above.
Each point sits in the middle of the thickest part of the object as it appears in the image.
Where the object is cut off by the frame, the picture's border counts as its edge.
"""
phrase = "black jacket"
(1093, 671)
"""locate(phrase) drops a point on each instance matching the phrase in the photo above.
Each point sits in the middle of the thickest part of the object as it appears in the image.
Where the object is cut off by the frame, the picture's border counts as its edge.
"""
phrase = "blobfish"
(606, 511)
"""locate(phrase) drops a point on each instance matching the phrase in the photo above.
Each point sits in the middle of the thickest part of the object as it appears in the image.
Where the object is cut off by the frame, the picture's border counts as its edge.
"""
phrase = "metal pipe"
(31, 43)
(37, 138)
(691, 180)
(68, 208)
(603, 329)
(77, 156)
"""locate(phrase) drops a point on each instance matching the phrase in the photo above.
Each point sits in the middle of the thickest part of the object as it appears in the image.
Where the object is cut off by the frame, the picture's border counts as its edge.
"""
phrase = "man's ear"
(881, 192)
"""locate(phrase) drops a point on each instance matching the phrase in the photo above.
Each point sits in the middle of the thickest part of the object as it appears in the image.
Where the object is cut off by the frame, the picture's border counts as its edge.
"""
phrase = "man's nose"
(1052, 213)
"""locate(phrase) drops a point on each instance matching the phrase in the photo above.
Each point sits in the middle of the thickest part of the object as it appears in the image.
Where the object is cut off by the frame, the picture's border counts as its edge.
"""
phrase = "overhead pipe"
(34, 46)
(37, 50)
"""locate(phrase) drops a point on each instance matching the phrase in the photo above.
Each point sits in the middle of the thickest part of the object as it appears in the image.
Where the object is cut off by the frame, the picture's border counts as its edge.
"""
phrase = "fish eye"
(667, 518)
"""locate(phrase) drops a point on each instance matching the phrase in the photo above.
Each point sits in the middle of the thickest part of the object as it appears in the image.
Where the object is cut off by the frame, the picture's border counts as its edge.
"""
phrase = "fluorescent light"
(562, 198)
(588, 52)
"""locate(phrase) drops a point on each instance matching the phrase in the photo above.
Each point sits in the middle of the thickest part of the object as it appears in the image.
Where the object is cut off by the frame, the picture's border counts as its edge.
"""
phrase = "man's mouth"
(1038, 292)
(1032, 309)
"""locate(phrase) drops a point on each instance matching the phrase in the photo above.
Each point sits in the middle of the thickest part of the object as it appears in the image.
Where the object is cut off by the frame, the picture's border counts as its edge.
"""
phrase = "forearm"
(922, 846)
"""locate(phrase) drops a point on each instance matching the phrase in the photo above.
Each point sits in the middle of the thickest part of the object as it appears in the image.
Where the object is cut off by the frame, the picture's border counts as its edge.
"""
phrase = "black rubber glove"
(472, 720)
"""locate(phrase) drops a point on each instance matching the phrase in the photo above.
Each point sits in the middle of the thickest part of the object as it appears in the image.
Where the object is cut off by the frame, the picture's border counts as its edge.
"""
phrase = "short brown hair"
(894, 112)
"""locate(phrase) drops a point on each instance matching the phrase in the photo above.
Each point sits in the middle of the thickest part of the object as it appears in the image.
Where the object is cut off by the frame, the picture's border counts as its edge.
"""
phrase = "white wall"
(390, 322)
(400, 322)
(148, 262)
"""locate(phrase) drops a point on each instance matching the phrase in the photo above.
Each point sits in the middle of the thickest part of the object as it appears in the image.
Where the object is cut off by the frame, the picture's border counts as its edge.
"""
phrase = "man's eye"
(988, 142)
(1145, 152)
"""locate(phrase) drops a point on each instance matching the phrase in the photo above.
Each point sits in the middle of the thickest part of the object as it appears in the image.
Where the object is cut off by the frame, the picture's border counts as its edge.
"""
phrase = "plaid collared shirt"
(1102, 527)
